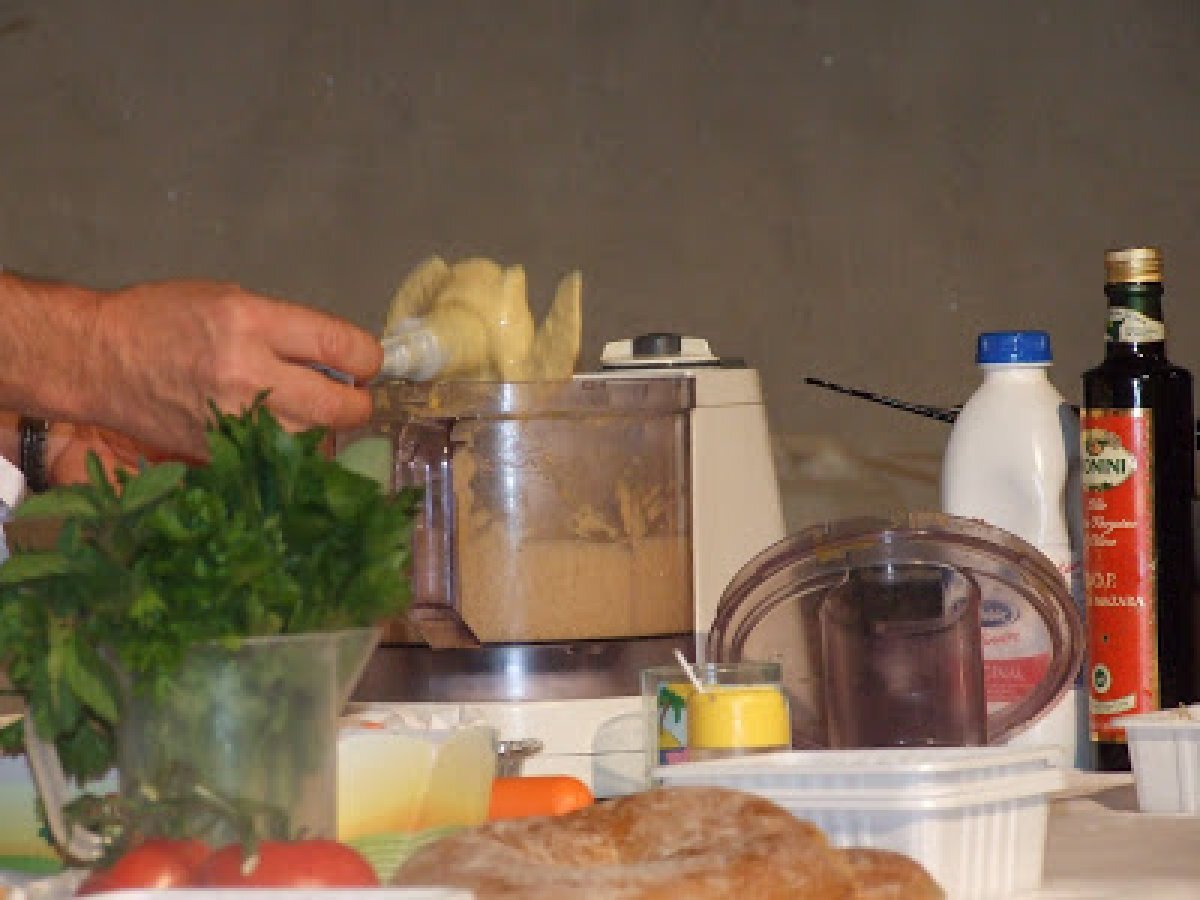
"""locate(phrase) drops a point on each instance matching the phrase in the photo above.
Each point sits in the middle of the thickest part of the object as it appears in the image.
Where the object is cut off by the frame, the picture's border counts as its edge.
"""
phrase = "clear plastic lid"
(770, 610)
(574, 397)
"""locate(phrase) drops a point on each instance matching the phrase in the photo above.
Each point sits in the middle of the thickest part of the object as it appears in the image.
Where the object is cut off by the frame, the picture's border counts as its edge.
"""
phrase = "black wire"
(942, 414)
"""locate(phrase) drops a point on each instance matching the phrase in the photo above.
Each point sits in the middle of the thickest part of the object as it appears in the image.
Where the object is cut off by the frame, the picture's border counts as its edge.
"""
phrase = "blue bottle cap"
(1013, 347)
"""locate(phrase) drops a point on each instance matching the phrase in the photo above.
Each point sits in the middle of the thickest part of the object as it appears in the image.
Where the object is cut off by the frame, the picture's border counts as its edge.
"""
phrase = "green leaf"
(87, 751)
(31, 565)
(146, 605)
(58, 503)
(12, 738)
(151, 485)
(99, 480)
(63, 704)
(92, 680)
(369, 456)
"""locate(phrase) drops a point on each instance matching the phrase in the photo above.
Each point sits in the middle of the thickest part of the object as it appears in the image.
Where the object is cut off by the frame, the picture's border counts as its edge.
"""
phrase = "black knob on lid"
(657, 343)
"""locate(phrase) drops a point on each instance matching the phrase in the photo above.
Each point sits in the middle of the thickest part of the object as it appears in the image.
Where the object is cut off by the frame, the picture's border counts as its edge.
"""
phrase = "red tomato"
(156, 863)
(190, 850)
(95, 883)
(312, 863)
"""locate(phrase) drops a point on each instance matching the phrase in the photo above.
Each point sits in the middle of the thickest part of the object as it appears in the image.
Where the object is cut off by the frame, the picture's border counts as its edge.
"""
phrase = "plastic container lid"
(864, 771)
(770, 609)
(1007, 347)
(934, 797)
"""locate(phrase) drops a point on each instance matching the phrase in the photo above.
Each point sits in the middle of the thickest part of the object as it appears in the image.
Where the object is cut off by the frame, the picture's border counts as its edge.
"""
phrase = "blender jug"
(553, 511)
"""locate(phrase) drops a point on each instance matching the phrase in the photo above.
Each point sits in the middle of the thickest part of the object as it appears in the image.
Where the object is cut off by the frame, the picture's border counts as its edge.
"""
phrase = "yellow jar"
(737, 717)
(740, 709)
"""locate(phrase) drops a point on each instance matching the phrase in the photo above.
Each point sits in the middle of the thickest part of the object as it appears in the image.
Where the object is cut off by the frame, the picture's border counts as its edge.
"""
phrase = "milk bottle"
(1013, 461)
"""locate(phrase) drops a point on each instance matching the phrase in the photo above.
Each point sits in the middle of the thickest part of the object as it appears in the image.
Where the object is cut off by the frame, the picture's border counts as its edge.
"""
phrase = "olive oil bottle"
(1137, 470)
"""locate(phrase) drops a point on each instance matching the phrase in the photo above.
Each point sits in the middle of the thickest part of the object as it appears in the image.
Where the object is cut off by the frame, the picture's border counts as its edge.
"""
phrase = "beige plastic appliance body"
(736, 508)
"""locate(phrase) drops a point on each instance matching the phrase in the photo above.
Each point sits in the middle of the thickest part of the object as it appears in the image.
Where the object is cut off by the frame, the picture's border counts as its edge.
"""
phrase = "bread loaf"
(665, 844)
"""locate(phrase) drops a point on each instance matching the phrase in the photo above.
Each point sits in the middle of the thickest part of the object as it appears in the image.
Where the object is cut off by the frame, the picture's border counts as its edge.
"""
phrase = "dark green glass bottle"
(1137, 456)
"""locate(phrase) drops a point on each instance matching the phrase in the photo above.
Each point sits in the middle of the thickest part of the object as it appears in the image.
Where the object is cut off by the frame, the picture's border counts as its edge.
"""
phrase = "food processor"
(573, 532)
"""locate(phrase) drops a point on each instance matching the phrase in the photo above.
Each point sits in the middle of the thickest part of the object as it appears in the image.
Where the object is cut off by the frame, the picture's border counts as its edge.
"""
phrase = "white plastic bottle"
(1013, 461)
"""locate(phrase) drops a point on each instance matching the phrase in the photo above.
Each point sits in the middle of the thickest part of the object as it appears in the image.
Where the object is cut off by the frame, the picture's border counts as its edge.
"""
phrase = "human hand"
(161, 351)
(68, 446)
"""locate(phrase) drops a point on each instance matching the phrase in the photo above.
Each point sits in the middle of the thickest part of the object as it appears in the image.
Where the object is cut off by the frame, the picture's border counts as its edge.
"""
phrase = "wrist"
(48, 332)
(32, 454)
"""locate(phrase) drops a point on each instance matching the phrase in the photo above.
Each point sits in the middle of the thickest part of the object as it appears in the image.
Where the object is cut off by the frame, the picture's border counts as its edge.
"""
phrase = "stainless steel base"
(571, 671)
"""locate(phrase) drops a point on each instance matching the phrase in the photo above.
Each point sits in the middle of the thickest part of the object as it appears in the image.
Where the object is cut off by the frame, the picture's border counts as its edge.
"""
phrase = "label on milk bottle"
(1016, 650)
(1016, 644)
(1118, 520)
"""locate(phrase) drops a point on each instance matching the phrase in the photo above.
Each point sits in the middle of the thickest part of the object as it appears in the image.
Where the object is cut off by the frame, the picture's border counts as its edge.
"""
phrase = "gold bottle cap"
(1132, 264)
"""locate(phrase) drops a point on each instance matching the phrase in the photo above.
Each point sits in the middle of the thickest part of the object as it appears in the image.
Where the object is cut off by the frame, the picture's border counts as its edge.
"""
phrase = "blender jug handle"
(424, 456)
(51, 784)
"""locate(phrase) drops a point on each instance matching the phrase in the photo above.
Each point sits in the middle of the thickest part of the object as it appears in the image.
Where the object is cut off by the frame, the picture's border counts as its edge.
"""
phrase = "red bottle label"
(1119, 566)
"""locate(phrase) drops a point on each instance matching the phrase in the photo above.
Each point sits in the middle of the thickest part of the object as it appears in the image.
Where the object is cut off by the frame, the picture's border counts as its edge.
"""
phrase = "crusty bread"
(884, 875)
(665, 844)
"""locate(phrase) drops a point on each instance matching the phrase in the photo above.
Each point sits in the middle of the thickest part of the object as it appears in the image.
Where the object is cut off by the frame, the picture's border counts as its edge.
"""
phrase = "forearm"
(149, 359)
(48, 334)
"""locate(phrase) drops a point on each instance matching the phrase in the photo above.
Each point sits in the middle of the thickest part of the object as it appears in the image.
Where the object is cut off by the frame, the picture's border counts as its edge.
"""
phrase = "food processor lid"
(769, 611)
(575, 397)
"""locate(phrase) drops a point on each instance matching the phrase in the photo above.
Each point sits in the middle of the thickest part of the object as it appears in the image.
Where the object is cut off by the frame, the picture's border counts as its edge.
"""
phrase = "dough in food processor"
(471, 320)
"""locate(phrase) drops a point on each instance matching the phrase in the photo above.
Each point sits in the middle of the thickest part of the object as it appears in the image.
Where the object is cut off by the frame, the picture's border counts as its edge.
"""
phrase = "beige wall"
(843, 189)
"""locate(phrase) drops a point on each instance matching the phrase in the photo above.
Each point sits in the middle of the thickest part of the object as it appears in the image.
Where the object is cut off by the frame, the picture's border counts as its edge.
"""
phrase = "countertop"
(1098, 846)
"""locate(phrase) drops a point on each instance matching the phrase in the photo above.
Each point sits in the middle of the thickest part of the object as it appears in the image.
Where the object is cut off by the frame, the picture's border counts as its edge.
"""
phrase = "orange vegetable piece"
(537, 795)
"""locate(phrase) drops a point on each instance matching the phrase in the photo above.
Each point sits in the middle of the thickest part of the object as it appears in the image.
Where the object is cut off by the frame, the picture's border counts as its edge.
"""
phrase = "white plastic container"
(398, 771)
(1013, 461)
(1164, 748)
(975, 818)
(599, 741)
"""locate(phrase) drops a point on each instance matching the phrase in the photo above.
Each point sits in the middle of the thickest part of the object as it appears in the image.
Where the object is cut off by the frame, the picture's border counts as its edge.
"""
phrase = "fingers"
(306, 341)
(309, 398)
(304, 335)
(71, 444)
